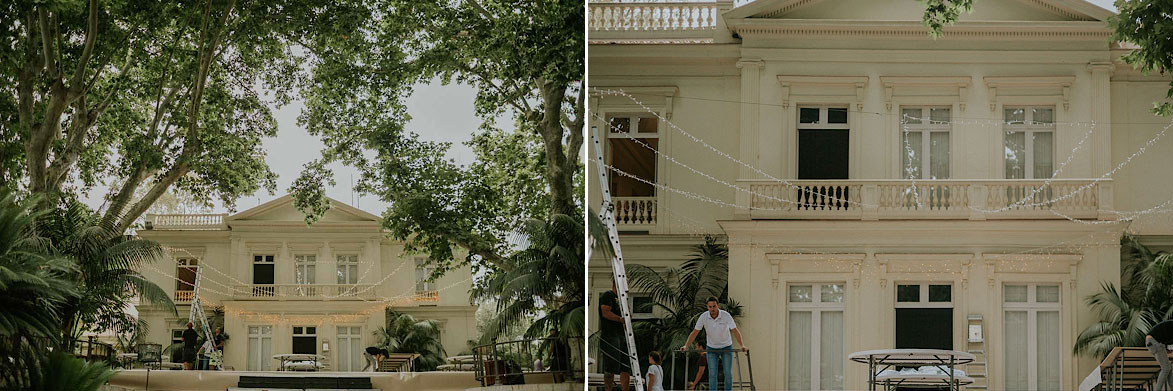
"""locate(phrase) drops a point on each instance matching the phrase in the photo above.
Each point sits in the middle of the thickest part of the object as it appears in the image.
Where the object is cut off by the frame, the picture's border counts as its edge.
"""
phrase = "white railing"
(427, 296)
(653, 16)
(631, 211)
(304, 291)
(203, 221)
(927, 199)
(184, 296)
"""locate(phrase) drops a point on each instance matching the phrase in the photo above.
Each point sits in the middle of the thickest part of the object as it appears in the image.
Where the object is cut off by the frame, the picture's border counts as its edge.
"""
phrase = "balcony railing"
(184, 296)
(427, 296)
(928, 199)
(204, 221)
(304, 291)
(655, 19)
(635, 211)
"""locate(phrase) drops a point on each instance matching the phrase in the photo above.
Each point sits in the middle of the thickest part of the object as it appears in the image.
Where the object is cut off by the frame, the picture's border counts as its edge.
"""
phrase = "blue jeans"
(725, 358)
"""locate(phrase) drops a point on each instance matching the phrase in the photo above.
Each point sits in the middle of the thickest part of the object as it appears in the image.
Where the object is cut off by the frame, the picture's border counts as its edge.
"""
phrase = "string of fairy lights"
(350, 291)
(379, 303)
(1017, 204)
(1046, 255)
(804, 190)
(1021, 203)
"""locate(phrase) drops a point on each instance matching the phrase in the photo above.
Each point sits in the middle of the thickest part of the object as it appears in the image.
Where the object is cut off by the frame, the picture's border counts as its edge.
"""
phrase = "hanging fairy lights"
(1020, 203)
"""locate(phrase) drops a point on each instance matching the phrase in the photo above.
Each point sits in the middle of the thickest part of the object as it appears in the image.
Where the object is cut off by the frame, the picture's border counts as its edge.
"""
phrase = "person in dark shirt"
(612, 343)
(189, 347)
(1158, 340)
(702, 364)
(374, 355)
(559, 357)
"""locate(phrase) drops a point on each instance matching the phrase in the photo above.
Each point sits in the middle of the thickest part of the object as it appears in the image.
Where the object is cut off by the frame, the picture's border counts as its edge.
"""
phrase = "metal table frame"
(946, 360)
(296, 357)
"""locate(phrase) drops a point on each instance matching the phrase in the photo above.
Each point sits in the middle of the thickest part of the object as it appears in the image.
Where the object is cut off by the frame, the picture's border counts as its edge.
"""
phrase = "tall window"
(823, 142)
(263, 275)
(625, 133)
(815, 337)
(260, 348)
(924, 316)
(185, 272)
(350, 348)
(305, 340)
(1032, 329)
(348, 269)
(304, 269)
(425, 290)
(1029, 142)
(925, 138)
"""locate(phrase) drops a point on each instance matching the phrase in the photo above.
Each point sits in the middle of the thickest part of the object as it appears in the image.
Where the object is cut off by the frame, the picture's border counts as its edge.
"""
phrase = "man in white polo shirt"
(718, 326)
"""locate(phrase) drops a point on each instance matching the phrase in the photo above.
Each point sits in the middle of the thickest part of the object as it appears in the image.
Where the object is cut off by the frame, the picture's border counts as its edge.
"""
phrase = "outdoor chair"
(150, 354)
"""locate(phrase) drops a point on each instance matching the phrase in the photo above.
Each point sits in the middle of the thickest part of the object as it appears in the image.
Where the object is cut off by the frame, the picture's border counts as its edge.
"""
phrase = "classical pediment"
(282, 210)
(911, 10)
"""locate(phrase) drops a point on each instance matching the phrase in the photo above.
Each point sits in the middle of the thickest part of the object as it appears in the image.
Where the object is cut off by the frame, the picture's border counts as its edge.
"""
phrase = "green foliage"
(405, 334)
(525, 58)
(62, 372)
(545, 281)
(33, 281)
(1147, 25)
(941, 13)
(680, 294)
(108, 265)
(1127, 314)
(151, 93)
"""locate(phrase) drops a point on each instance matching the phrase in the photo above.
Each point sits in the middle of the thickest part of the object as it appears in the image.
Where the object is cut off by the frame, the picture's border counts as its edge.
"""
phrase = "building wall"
(387, 278)
(733, 97)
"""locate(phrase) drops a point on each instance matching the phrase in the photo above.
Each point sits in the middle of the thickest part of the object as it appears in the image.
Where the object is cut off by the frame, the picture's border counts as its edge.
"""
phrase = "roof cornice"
(1000, 31)
(1072, 9)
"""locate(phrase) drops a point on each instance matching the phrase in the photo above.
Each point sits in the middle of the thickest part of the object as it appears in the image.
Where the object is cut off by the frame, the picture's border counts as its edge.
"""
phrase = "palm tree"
(543, 281)
(62, 372)
(405, 334)
(680, 294)
(1127, 314)
(34, 284)
(107, 265)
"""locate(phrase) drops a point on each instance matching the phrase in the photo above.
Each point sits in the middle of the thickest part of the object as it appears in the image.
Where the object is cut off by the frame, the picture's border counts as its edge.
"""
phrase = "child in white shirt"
(655, 373)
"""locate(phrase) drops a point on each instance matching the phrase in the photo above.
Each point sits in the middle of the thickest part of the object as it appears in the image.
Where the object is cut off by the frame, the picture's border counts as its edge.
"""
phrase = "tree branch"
(574, 145)
(50, 62)
(87, 51)
(179, 170)
(119, 200)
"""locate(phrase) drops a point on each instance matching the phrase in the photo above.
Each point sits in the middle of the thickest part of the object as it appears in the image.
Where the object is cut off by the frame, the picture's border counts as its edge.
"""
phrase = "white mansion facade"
(879, 188)
(286, 287)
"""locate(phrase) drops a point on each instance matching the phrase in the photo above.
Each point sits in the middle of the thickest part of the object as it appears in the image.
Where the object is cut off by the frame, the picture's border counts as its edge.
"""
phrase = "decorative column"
(1101, 113)
(750, 97)
(750, 120)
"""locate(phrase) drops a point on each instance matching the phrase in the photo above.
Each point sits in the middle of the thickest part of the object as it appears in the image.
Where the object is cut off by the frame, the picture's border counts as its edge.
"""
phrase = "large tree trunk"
(61, 96)
(559, 169)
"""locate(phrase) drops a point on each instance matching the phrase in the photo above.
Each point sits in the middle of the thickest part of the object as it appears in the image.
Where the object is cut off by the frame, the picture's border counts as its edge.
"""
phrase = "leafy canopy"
(525, 58)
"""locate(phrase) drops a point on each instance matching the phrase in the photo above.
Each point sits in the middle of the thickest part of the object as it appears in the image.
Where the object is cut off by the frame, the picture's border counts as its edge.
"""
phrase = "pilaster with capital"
(750, 114)
(1101, 114)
